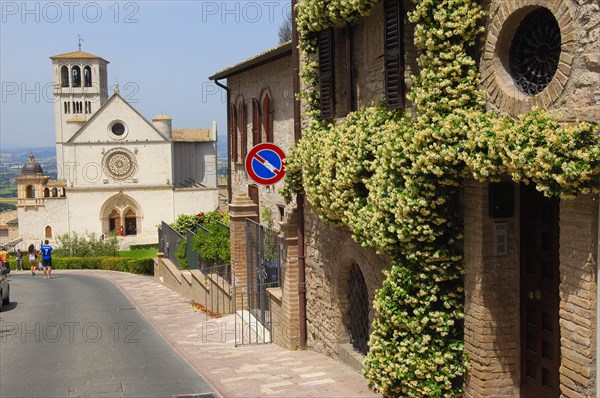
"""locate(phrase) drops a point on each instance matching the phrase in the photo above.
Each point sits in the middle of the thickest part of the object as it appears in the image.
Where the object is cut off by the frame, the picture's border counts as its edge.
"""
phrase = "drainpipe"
(299, 197)
(228, 140)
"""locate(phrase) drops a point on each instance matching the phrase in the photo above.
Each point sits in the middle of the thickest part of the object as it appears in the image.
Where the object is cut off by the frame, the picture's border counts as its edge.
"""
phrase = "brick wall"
(491, 300)
(578, 259)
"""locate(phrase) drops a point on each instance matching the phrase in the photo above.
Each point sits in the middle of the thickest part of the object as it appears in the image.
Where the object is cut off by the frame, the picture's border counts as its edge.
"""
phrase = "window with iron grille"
(358, 311)
(394, 53)
(535, 51)
(326, 74)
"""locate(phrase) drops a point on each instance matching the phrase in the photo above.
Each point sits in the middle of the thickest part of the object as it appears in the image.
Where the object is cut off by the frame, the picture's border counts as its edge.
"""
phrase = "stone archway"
(121, 214)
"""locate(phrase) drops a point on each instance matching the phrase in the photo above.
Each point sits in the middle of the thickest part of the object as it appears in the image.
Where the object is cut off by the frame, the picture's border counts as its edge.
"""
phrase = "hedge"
(143, 266)
(149, 246)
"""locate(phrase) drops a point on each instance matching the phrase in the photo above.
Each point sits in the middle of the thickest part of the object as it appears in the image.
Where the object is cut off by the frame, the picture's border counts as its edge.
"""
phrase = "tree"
(285, 30)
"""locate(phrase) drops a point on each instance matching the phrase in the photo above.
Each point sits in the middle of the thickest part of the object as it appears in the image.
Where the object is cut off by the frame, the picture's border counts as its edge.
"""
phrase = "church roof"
(191, 135)
(77, 55)
(31, 167)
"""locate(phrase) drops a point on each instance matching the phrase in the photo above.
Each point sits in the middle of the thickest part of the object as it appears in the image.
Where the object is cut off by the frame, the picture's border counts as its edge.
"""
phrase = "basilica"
(118, 172)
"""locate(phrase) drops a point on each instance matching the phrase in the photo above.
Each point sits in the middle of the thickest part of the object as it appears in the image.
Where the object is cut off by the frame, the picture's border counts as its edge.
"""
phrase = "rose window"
(535, 51)
(119, 164)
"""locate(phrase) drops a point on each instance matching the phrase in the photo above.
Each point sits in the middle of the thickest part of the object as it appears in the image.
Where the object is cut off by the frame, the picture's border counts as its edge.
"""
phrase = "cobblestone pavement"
(260, 370)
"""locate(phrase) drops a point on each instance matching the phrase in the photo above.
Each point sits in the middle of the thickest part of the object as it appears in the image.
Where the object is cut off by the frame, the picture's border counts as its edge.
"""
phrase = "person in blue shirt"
(46, 251)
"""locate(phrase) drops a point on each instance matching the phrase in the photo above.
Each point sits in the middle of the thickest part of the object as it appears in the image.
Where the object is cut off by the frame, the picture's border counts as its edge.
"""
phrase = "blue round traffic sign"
(264, 164)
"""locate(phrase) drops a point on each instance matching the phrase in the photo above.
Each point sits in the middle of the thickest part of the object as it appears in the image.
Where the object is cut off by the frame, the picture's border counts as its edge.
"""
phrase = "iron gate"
(263, 269)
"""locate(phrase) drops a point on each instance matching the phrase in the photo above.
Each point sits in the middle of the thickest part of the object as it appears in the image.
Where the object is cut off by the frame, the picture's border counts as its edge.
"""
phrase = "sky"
(160, 52)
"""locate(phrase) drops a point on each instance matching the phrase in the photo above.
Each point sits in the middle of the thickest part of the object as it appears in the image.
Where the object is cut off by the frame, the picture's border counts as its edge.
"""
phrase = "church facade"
(118, 171)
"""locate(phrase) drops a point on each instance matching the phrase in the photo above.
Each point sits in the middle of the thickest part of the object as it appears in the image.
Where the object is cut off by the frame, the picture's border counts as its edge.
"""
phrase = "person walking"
(46, 250)
(32, 258)
(19, 260)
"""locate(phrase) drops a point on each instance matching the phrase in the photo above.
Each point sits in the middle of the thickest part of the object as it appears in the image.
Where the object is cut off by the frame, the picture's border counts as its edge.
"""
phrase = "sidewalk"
(265, 370)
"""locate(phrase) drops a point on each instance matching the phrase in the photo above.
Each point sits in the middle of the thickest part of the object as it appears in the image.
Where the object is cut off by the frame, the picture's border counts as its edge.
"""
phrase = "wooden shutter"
(233, 133)
(256, 120)
(394, 53)
(326, 74)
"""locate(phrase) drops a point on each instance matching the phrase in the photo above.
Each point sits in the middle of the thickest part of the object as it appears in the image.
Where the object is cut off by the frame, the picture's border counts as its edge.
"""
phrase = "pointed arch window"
(87, 76)
(64, 76)
(233, 132)
(256, 122)
(243, 129)
(76, 76)
(267, 119)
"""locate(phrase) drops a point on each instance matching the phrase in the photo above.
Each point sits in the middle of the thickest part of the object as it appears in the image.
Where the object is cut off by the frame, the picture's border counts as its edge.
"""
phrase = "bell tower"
(80, 89)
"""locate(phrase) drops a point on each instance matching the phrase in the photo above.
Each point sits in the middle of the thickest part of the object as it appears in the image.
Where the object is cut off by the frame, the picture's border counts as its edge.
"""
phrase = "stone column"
(240, 209)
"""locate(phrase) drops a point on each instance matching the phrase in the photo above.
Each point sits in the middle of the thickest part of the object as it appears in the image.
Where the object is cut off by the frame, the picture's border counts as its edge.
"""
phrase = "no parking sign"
(264, 164)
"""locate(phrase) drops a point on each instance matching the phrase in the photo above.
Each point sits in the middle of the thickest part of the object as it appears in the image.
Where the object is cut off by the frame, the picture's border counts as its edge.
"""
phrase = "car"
(4, 285)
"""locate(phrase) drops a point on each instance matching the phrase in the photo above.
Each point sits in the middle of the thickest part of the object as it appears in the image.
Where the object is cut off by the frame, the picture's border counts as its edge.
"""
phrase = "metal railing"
(168, 241)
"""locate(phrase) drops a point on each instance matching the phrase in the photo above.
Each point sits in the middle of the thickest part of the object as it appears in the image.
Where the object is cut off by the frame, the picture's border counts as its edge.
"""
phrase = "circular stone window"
(535, 52)
(117, 129)
(119, 164)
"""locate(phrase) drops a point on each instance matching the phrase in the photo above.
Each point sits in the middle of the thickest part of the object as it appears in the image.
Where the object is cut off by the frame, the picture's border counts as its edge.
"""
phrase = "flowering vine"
(394, 180)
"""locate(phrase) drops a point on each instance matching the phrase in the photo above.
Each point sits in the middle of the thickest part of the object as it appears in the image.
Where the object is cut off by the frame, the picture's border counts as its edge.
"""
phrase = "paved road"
(77, 335)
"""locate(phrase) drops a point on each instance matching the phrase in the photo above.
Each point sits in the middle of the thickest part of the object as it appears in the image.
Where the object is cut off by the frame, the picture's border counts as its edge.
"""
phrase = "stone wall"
(574, 90)
(330, 252)
(275, 78)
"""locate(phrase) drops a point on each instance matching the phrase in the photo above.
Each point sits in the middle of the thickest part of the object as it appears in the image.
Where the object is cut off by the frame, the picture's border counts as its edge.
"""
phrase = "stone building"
(260, 110)
(530, 281)
(530, 326)
(118, 172)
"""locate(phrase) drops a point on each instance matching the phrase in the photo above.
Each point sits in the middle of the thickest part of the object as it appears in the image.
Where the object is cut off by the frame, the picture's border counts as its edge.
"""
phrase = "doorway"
(540, 333)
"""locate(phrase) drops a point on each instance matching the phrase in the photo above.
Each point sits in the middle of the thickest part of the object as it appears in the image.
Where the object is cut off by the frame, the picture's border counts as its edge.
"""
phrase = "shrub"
(181, 254)
(89, 245)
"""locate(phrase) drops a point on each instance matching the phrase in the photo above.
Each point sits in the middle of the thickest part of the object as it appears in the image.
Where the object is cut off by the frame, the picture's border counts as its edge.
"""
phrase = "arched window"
(87, 76)
(63, 192)
(267, 119)
(358, 310)
(30, 192)
(46, 192)
(54, 192)
(243, 129)
(233, 132)
(48, 232)
(76, 76)
(256, 122)
(64, 76)
(67, 107)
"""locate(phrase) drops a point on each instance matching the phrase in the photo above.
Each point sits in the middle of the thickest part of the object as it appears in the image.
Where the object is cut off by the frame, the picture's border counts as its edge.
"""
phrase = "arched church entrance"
(122, 215)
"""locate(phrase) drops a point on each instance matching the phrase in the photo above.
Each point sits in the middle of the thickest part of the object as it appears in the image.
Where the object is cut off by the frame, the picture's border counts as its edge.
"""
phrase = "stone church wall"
(34, 219)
